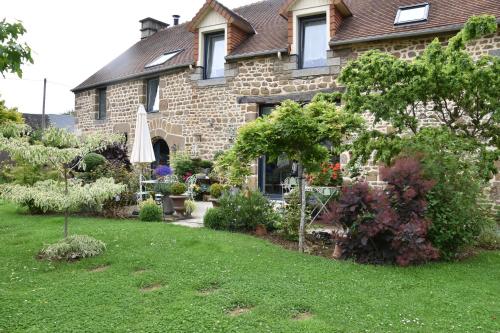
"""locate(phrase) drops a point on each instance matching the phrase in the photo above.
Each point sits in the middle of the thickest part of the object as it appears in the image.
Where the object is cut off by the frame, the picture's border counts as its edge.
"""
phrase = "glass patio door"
(272, 174)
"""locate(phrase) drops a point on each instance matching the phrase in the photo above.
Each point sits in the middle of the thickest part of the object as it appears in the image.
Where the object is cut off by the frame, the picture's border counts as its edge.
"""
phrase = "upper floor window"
(313, 41)
(153, 95)
(215, 46)
(101, 104)
(412, 14)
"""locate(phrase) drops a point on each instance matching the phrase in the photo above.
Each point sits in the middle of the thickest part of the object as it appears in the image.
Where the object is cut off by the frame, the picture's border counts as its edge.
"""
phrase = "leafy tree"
(13, 53)
(65, 152)
(300, 133)
(463, 94)
(9, 114)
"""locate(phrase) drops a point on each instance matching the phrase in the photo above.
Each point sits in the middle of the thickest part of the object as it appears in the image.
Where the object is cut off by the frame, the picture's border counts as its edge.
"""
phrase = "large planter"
(178, 203)
(168, 206)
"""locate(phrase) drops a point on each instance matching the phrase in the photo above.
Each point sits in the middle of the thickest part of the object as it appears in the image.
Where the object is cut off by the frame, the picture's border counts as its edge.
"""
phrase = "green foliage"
(150, 211)
(178, 188)
(214, 218)
(462, 92)
(216, 190)
(92, 161)
(190, 206)
(9, 114)
(453, 162)
(163, 188)
(291, 216)
(73, 248)
(182, 164)
(231, 170)
(489, 238)
(27, 174)
(242, 212)
(49, 195)
(12, 53)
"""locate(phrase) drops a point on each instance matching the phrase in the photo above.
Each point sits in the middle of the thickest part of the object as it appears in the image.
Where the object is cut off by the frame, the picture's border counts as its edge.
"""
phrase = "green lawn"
(203, 275)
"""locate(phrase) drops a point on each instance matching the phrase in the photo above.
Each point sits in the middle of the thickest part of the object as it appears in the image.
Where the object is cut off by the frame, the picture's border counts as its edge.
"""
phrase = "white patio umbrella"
(142, 151)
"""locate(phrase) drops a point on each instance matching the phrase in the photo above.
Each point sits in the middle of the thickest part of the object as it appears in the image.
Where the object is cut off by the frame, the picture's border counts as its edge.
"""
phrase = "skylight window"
(162, 59)
(412, 14)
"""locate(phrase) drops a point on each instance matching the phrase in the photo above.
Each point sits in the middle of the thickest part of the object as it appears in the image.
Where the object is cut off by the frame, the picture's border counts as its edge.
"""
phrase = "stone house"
(201, 80)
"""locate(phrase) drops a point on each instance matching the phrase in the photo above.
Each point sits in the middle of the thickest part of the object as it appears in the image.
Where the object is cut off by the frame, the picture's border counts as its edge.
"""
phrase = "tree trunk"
(302, 190)
(66, 209)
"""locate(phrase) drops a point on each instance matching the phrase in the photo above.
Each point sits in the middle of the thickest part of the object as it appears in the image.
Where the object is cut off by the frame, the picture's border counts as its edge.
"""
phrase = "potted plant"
(177, 191)
(190, 206)
(164, 190)
(216, 191)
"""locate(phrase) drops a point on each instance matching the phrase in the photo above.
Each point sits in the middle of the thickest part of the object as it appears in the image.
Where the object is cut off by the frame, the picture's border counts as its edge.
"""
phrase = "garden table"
(323, 195)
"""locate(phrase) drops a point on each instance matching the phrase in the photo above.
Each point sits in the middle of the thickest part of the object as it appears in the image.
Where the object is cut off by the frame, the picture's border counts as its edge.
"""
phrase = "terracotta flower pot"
(178, 203)
(260, 230)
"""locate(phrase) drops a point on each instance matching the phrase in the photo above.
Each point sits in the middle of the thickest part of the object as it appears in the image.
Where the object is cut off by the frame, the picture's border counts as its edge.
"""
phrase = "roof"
(370, 19)
(231, 16)
(374, 19)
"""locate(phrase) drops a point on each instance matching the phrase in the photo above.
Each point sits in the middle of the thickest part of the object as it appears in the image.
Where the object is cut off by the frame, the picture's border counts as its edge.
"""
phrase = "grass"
(156, 277)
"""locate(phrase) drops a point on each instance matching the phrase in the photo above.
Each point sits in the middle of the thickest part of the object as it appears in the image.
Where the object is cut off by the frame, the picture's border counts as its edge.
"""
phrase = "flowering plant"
(163, 170)
(329, 175)
(187, 175)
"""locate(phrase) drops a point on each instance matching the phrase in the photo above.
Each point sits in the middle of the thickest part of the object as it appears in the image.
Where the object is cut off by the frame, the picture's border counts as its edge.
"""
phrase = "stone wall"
(202, 116)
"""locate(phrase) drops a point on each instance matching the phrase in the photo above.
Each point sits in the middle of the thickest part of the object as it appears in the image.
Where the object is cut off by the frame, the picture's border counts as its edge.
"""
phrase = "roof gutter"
(404, 34)
(128, 77)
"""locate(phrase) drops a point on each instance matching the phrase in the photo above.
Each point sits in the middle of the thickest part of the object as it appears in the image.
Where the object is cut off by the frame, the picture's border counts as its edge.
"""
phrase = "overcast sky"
(72, 40)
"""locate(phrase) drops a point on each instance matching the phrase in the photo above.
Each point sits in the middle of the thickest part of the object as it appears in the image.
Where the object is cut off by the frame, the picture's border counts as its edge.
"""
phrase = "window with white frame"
(215, 49)
(412, 14)
(312, 41)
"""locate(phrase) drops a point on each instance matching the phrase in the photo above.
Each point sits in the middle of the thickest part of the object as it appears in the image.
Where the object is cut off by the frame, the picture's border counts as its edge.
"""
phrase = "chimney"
(150, 26)
(176, 19)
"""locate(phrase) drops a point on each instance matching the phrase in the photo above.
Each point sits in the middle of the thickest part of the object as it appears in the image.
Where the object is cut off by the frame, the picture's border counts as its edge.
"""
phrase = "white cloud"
(72, 40)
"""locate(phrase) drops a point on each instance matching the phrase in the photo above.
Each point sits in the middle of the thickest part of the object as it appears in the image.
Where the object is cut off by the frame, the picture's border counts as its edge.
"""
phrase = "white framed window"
(162, 59)
(412, 14)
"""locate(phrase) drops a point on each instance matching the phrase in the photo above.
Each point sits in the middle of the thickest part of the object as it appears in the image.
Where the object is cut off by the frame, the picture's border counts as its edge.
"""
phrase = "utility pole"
(43, 106)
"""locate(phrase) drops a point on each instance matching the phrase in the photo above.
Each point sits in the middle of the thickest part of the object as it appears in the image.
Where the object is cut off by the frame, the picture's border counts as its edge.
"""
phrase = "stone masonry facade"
(202, 117)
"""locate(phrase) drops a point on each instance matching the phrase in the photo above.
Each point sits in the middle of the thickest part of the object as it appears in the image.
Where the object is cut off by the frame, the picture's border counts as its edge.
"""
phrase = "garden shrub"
(93, 160)
(72, 248)
(291, 216)
(386, 226)
(453, 203)
(178, 188)
(216, 190)
(183, 165)
(150, 211)
(242, 212)
(215, 219)
(190, 206)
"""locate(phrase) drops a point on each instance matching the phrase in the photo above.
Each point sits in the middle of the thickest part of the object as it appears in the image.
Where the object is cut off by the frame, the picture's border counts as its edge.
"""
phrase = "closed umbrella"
(142, 151)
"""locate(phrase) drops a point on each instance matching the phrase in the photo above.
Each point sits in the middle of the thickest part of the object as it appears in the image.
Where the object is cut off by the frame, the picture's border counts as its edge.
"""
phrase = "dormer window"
(215, 50)
(313, 41)
(412, 14)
